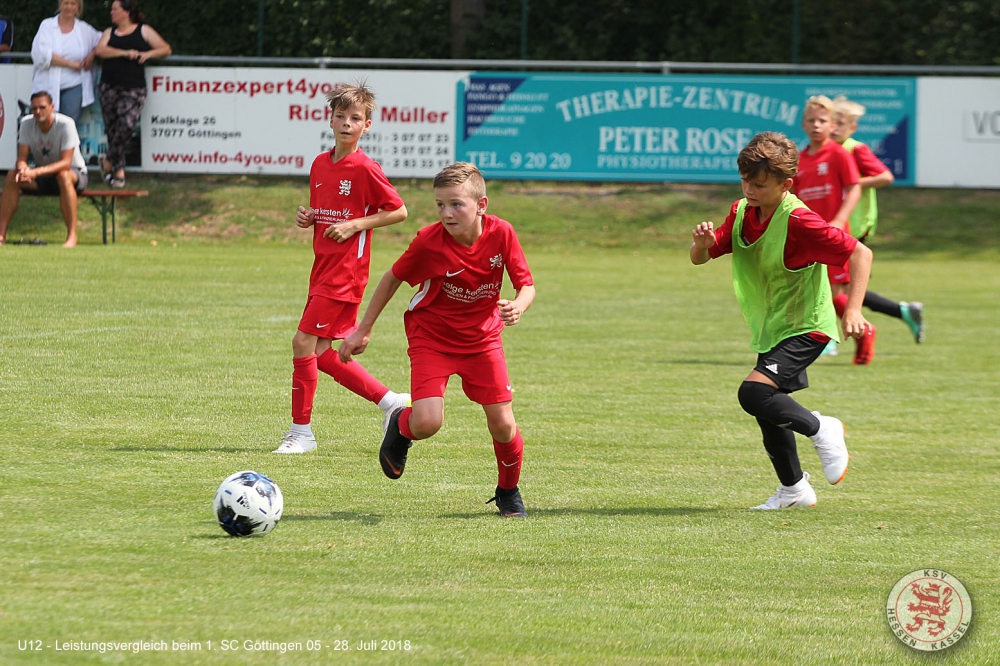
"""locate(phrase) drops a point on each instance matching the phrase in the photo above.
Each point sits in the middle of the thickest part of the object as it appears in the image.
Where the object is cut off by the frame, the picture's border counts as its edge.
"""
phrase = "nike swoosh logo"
(508, 387)
(506, 465)
(391, 466)
(450, 274)
(318, 184)
(321, 325)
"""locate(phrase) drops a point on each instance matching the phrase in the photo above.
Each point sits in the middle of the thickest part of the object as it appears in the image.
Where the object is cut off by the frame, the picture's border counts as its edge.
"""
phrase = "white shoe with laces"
(832, 450)
(295, 443)
(401, 400)
(799, 496)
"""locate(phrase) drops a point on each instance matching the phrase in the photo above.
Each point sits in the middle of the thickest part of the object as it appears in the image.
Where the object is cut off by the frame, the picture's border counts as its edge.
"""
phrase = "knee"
(753, 397)
(66, 180)
(303, 344)
(424, 424)
(11, 180)
(503, 428)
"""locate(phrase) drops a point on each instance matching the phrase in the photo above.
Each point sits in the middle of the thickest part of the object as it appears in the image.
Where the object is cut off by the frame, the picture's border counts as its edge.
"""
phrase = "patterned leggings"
(122, 108)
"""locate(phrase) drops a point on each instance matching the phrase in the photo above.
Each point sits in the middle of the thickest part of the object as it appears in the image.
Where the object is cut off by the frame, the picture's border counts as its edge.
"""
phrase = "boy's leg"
(765, 395)
(780, 446)
(352, 375)
(864, 347)
(508, 445)
(300, 438)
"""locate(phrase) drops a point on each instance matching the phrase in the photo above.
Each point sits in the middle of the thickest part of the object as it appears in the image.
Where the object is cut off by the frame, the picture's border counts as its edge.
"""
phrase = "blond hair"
(819, 102)
(465, 174)
(352, 94)
(771, 153)
(847, 109)
(79, 7)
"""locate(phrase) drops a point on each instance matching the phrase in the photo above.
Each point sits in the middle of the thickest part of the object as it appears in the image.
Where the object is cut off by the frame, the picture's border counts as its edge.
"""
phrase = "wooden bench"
(104, 202)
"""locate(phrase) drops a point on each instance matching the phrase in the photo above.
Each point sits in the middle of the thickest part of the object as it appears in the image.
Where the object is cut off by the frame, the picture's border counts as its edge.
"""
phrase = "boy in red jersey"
(453, 325)
(827, 182)
(348, 196)
(779, 248)
(864, 220)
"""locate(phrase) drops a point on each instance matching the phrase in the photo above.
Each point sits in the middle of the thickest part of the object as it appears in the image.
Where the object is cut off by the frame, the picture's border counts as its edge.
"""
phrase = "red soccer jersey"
(822, 178)
(455, 310)
(868, 164)
(810, 239)
(339, 191)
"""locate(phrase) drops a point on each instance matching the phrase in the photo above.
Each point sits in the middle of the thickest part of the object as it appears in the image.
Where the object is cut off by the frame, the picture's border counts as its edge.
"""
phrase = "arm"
(881, 180)
(160, 48)
(41, 46)
(104, 51)
(852, 194)
(21, 166)
(357, 342)
(853, 322)
(64, 163)
(511, 311)
(344, 230)
(704, 238)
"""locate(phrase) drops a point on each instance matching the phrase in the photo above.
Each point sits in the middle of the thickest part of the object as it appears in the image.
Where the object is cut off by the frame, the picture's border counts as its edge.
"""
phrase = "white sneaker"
(402, 400)
(830, 445)
(293, 443)
(799, 496)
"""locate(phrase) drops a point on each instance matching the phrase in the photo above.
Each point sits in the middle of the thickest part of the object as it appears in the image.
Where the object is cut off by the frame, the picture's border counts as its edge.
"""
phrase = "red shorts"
(484, 374)
(840, 274)
(327, 318)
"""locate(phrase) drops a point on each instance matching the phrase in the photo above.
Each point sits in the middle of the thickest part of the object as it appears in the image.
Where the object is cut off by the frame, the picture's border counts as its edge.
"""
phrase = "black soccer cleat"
(392, 453)
(509, 503)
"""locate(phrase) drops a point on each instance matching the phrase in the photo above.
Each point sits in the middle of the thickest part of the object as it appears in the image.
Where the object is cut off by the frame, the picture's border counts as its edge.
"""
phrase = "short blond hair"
(819, 102)
(79, 7)
(465, 174)
(847, 109)
(346, 95)
(770, 153)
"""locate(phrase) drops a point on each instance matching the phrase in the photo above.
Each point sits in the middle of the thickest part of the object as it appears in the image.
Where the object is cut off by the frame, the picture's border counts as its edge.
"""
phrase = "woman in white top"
(63, 57)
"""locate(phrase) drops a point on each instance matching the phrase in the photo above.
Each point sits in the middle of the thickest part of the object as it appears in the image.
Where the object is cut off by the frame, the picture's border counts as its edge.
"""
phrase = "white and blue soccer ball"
(248, 503)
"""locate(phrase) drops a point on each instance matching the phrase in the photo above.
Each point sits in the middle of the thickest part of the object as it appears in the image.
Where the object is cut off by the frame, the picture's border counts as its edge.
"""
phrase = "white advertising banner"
(958, 132)
(275, 121)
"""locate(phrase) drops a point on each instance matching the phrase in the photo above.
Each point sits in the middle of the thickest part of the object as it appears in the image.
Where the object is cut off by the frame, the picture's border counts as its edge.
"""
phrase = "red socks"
(304, 378)
(404, 423)
(840, 304)
(352, 376)
(509, 457)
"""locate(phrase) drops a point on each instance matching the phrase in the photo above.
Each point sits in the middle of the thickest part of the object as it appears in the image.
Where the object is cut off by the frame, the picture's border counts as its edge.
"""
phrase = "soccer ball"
(248, 503)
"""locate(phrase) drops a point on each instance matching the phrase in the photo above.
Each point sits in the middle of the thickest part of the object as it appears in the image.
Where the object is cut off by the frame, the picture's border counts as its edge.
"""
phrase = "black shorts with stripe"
(786, 364)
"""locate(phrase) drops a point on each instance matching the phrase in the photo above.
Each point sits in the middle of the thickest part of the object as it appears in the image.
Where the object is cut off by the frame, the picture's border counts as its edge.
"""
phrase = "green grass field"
(135, 377)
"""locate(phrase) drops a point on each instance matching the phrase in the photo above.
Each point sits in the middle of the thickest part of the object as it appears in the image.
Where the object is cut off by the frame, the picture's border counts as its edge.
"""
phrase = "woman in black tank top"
(125, 49)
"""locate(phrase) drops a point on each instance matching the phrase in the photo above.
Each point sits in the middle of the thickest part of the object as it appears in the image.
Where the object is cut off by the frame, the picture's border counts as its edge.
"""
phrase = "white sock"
(388, 401)
(301, 429)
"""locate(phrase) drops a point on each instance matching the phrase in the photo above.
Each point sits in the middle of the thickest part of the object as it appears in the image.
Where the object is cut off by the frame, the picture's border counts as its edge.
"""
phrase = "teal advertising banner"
(659, 127)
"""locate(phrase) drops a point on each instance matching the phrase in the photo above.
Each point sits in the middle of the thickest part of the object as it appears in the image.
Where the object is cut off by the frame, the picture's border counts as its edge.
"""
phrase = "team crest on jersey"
(823, 168)
(497, 261)
(345, 188)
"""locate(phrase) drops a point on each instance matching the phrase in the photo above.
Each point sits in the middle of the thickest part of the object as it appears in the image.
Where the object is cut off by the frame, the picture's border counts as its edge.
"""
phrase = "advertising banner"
(275, 121)
(959, 132)
(658, 127)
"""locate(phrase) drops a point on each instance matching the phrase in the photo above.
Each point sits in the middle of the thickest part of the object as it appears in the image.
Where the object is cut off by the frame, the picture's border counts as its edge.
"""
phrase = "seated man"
(51, 140)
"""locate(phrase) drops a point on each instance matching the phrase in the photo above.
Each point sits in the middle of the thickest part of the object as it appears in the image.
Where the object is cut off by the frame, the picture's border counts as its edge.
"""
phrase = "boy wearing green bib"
(780, 252)
(864, 220)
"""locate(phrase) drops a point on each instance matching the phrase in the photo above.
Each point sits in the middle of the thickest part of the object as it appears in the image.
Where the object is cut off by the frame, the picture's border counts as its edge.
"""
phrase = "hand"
(24, 175)
(704, 235)
(510, 313)
(855, 325)
(304, 217)
(341, 231)
(88, 62)
(142, 56)
(355, 343)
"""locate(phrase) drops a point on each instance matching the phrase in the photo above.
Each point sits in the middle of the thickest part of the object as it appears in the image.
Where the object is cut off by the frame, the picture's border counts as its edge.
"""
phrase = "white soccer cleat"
(402, 400)
(799, 496)
(293, 443)
(832, 449)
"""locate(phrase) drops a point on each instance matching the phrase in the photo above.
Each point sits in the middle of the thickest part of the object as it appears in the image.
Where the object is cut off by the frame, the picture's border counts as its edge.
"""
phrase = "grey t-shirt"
(46, 147)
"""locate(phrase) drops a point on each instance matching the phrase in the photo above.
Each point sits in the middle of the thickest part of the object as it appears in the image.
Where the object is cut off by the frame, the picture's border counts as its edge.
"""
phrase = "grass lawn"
(135, 377)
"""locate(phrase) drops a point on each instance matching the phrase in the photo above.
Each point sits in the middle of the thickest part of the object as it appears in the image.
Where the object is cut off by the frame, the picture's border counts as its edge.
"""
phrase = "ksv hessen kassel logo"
(929, 609)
